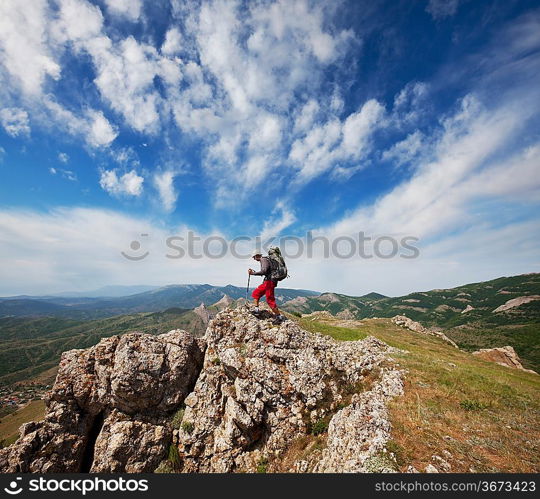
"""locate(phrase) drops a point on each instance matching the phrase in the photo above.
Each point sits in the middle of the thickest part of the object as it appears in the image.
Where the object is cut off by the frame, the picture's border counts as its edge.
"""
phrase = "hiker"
(266, 288)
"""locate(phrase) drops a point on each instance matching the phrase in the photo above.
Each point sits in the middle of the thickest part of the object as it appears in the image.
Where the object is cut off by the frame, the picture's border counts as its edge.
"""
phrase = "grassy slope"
(9, 425)
(485, 415)
(479, 328)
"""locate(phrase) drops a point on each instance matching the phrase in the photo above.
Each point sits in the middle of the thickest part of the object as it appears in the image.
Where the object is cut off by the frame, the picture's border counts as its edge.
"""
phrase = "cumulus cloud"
(63, 157)
(93, 126)
(128, 184)
(24, 40)
(102, 133)
(336, 141)
(130, 9)
(164, 183)
(15, 121)
(405, 151)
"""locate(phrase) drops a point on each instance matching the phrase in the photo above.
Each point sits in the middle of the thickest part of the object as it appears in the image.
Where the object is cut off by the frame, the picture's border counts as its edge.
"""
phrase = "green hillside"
(29, 346)
(476, 415)
(478, 326)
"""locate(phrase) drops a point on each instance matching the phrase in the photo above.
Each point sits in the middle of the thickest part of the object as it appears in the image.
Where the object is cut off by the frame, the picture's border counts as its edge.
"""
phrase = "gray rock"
(109, 407)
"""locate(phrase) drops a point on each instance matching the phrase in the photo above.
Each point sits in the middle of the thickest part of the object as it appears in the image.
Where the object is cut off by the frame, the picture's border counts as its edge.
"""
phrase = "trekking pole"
(247, 289)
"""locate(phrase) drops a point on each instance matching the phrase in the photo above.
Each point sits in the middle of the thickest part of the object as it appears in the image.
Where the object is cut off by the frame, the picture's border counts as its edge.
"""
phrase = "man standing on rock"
(266, 288)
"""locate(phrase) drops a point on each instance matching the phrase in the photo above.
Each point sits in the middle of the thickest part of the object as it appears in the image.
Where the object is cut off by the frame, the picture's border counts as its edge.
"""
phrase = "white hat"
(255, 253)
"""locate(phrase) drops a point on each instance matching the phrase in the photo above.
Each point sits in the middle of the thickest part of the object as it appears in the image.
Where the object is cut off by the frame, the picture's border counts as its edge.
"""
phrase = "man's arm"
(265, 267)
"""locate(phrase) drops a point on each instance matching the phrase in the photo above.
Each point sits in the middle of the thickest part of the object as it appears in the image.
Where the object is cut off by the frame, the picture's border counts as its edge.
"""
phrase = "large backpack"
(278, 268)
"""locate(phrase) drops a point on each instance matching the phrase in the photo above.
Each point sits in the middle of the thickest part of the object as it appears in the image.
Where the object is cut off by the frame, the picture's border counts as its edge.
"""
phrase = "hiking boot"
(279, 319)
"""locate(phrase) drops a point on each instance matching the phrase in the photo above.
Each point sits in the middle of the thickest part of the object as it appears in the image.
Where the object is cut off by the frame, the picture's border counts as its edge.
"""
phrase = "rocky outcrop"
(319, 315)
(504, 356)
(240, 398)
(263, 387)
(404, 321)
(468, 308)
(516, 302)
(203, 313)
(224, 302)
(109, 408)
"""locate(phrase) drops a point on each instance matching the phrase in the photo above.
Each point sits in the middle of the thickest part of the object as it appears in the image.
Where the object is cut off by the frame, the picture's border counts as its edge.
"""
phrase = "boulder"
(109, 407)
(504, 356)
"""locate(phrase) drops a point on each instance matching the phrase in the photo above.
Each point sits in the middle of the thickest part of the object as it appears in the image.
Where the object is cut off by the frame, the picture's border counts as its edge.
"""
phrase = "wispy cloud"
(439, 9)
(15, 121)
(164, 183)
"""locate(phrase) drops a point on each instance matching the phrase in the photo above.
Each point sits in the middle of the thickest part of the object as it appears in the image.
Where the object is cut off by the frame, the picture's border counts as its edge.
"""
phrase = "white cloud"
(131, 9)
(102, 133)
(67, 174)
(128, 184)
(405, 151)
(173, 42)
(83, 248)
(335, 142)
(439, 197)
(78, 22)
(439, 9)
(243, 91)
(15, 121)
(24, 44)
(63, 157)
(281, 218)
(164, 183)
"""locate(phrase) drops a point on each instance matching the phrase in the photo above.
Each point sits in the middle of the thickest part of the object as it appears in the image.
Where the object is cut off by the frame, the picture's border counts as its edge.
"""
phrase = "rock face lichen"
(250, 391)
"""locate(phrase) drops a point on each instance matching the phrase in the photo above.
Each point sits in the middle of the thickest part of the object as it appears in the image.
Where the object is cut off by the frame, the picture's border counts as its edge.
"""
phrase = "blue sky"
(394, 118)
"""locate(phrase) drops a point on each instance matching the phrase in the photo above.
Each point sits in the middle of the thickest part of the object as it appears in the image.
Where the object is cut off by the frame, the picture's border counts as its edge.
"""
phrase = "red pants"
(266, 288)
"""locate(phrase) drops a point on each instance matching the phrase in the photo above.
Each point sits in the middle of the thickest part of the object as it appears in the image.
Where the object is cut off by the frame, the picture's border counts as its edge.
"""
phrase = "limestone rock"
(262, 387)
(468, 308)
(203, 313)
(504, 356)
(224, 302)
(404, 321)
(109, 406)
(516, 302)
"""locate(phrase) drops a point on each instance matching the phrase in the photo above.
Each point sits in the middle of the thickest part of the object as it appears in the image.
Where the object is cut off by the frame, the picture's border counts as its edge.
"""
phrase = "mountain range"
(503, 311)
(152, 300)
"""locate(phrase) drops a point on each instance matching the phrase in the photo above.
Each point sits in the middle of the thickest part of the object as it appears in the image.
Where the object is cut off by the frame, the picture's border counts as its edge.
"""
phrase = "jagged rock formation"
(404, 321)
(203, 313)
(248, 392)
(504, 356)
(110, 406)
(262, 387)
(516, 302)
(224, 302)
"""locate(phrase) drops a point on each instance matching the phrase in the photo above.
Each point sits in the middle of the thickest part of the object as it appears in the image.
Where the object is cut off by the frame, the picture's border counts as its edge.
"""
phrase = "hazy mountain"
(181, 295)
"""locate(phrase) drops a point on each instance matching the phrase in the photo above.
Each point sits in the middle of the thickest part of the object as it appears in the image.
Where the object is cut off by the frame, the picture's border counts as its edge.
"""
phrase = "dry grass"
(477, 415)
(9, 425)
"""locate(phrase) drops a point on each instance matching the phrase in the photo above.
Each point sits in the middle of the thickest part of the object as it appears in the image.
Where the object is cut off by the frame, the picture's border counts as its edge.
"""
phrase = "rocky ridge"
(244, 394)
(404, 321)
